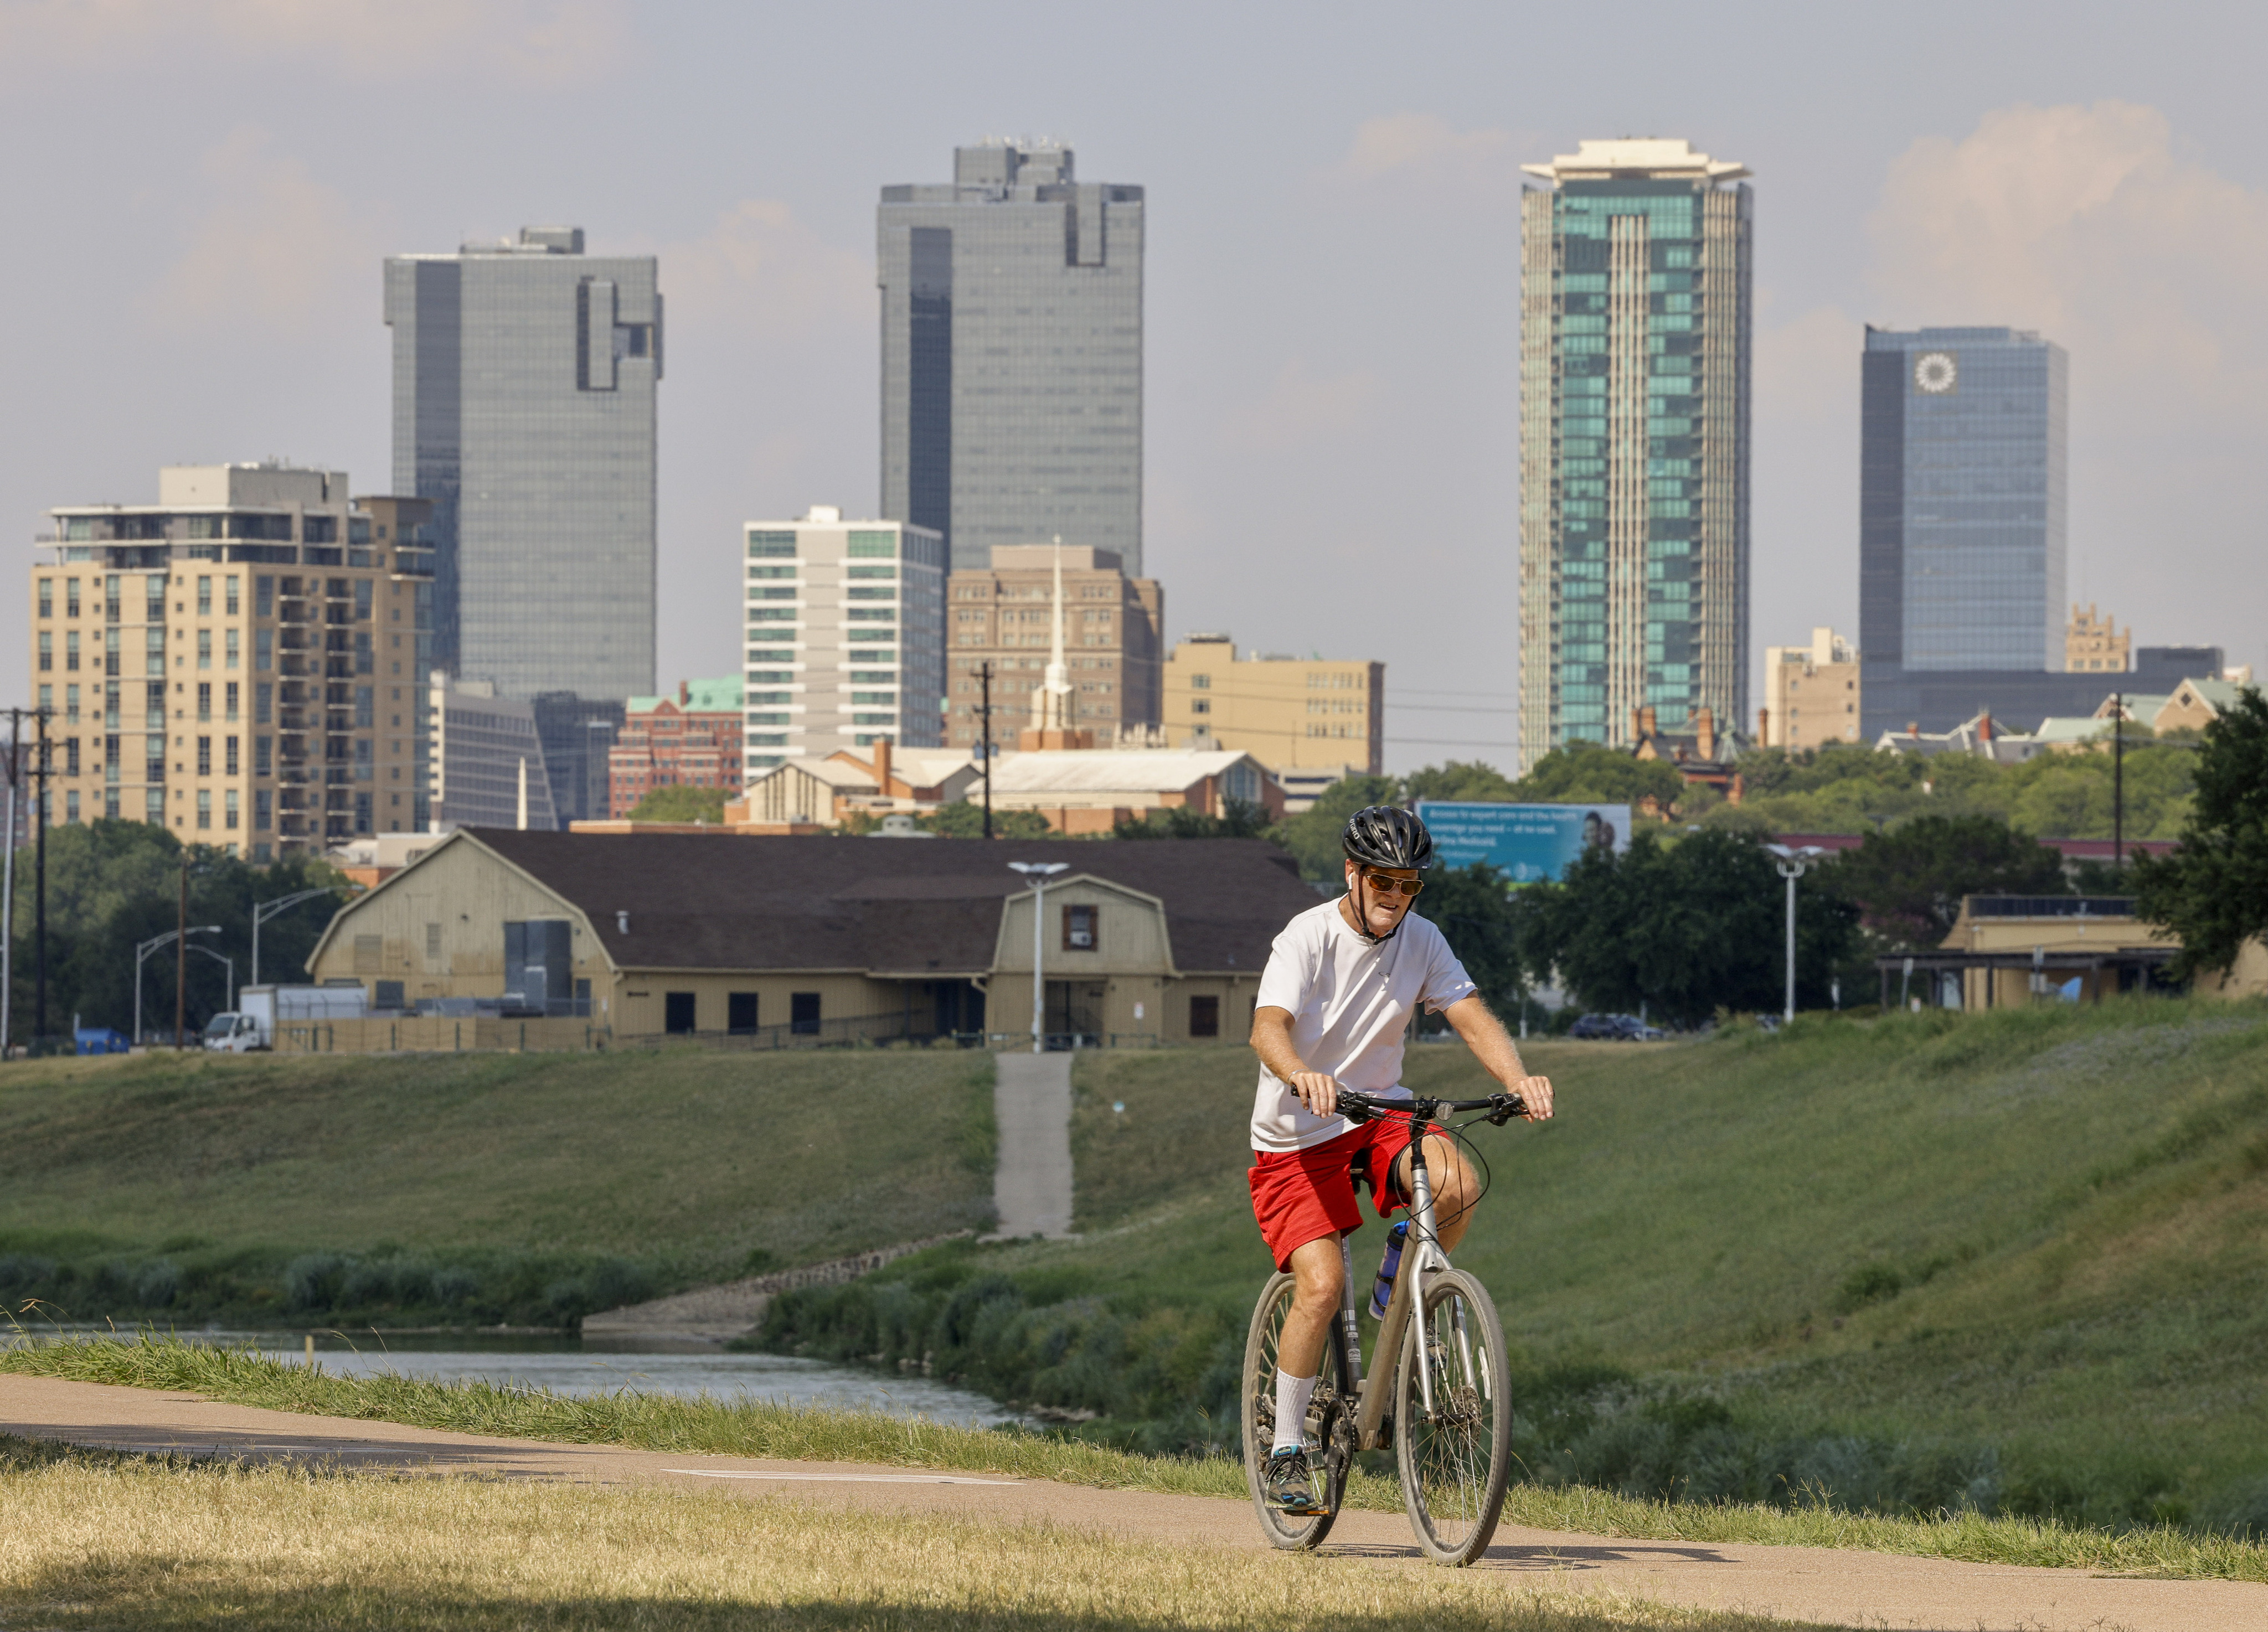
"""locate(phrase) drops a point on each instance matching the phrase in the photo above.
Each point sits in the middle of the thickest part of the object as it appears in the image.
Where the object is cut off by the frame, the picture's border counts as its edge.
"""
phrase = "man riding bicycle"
(1342, 982)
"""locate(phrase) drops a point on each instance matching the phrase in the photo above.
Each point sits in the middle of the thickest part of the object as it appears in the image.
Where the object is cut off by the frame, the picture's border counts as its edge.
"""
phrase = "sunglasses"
(1380, 882)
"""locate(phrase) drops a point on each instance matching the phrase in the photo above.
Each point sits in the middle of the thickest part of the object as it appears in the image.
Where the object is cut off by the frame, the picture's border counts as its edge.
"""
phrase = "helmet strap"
(1362, 918)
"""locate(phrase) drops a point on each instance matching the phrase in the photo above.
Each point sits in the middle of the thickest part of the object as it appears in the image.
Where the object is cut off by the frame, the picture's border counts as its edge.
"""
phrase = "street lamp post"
(1792, 864)
(262, 911)
(143, 950)
(228, 978)
(1039, 873)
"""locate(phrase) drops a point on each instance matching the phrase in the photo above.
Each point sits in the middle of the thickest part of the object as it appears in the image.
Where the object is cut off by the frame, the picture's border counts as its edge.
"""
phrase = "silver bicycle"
(1445, 1413)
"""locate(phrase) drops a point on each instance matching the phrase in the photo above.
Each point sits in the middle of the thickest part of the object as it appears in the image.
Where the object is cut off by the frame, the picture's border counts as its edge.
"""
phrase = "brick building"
(1005, 616)
(691, 740)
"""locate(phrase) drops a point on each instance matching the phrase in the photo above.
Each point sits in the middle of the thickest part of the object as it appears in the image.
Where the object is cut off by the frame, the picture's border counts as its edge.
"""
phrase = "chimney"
(1704, 732)
(1913, 729)
(882, 766)
(684, 692)
(1646, 722)
(1764, 728)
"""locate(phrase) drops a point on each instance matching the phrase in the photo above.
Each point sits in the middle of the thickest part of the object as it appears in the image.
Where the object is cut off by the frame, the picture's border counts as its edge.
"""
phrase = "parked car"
(1615, 1028)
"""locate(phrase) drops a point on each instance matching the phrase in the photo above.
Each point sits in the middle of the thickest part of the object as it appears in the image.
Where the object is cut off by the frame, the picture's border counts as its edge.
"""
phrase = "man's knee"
(1318, 1271)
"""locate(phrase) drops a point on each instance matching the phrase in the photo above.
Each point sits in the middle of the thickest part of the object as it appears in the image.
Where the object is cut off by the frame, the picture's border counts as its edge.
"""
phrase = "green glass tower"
(1635, 320)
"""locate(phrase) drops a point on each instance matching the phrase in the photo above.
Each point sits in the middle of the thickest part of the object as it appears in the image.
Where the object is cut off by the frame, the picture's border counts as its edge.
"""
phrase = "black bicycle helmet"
(1384, 835)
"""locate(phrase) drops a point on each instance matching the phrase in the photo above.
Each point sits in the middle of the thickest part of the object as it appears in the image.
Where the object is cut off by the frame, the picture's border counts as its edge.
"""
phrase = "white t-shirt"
(1350, 1003)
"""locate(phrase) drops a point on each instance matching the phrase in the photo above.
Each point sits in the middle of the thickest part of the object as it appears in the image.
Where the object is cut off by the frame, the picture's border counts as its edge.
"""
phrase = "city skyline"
(1330, 331)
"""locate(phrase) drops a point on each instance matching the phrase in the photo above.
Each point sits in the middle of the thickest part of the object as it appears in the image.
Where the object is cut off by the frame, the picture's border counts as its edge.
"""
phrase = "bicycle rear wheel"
(1258, 1392)
(1455, 1458)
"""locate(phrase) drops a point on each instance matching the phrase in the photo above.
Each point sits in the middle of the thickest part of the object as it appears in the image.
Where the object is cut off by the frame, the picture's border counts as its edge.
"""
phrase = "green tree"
(1586, 773)
(678, 803)
(2212, 892)
(1239, 819)
(1682, 928)
(113, 885)
(1313, 835)
(1907, 881)
(1460, 779)
(965, 820)
(1481, 919)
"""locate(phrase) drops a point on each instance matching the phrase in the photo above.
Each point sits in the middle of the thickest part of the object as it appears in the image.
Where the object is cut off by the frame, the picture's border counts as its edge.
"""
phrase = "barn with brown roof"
(823, 939)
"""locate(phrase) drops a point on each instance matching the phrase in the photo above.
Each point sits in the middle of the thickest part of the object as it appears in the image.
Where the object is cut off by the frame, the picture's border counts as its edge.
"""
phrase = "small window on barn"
(677, 1011)
(1204, 1017)
(369, 954)
(1082, 928)
(740, 1011)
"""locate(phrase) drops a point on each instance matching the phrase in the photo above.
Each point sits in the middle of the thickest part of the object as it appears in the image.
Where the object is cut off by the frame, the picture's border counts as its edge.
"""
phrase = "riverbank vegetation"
(468, 1189)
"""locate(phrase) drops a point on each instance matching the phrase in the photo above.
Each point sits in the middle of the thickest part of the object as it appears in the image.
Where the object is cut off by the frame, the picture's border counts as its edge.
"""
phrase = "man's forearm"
(1271, 1040)
(1486, 1036)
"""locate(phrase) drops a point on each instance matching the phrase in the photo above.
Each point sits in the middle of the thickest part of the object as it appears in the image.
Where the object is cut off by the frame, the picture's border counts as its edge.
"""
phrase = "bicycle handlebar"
(1358, 1107)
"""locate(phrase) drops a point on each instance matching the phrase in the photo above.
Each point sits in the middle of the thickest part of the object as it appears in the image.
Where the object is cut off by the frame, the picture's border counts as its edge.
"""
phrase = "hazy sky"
(203, 193)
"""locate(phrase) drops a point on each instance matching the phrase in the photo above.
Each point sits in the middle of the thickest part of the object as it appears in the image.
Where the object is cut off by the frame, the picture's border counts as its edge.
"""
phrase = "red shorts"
(1300, 1196)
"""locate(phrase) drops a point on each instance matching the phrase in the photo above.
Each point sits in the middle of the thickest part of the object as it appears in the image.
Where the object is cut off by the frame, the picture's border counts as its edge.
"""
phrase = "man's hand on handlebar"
(1535, 1093)
(1318, 1092)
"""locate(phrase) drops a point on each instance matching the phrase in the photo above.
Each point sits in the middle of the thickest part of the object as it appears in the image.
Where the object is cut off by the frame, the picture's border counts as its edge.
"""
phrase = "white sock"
(1292, 1396)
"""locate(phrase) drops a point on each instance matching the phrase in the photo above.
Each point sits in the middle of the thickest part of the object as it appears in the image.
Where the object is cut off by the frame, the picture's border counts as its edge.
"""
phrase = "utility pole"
(2118, 782)
(181, 956)
(984, 713)
(39, 868)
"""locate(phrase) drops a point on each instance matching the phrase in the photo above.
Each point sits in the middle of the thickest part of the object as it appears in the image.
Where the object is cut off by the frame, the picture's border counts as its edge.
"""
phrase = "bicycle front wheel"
(1453, 1419)
(1257, 1391)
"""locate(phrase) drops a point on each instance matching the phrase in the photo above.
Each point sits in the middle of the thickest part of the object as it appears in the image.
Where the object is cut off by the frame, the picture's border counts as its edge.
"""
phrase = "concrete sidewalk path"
(1031, 1109)
(1815, 1584)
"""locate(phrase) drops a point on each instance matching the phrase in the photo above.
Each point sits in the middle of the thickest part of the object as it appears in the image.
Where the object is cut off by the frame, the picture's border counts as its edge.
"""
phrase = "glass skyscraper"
(1962, 504)
(524, 377)
(1635, 320)
(1011, 356)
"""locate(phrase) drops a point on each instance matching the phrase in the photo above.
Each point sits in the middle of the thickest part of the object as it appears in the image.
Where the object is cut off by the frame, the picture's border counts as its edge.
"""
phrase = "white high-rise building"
(845, 637)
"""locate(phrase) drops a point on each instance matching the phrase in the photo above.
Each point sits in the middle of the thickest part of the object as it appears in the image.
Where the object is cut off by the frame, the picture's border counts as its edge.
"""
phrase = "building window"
(362, 813)
(677, 1011)
(740, 1012)
(232, 649)
(231, 602)
(204, 700)
(70, 704)
(262, 808)
(47, 644)
(47, 598)
(204, 807)
(204, 756)
(70, 804)
(260, 760)
(1204, 1017)
(1082, 928)
(802, 1013)
(264, 697)
(263, 596)
(263, 647)
(232, 811)
(204, 598)
(231, 702)
(232, 757)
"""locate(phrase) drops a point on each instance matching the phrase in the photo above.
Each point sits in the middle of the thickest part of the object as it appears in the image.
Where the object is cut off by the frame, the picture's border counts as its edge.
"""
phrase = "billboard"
(1526, 842)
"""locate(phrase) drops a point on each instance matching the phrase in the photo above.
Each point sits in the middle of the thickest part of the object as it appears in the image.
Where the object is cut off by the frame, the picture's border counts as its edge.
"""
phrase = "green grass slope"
(487, 1187)
(2016, 1258)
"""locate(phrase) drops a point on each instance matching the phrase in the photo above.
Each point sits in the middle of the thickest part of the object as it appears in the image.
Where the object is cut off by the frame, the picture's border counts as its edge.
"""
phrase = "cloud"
(277, 248)
(545, 41)
(2089, 224)
(1425, 146)
(761, 274)
(1301, 409)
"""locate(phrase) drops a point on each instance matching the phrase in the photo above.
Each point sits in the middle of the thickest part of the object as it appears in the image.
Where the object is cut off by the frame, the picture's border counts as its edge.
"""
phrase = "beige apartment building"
(240, 662)
(2092, 643)
(1289, 713)
(1114, 636)
(1811, 694)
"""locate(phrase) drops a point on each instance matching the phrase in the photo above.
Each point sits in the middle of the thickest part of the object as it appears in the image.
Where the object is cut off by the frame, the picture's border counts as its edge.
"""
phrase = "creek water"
(564, 1366)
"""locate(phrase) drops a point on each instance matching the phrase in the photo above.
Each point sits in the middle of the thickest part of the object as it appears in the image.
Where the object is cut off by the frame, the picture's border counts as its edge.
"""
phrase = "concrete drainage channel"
(1031, 1194)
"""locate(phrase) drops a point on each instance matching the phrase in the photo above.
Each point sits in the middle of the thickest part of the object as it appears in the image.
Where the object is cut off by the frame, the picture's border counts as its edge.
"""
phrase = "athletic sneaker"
(1291, 1486)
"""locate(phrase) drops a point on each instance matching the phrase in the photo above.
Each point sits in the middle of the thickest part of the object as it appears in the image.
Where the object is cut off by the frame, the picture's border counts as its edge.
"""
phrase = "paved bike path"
(1818, 1585)
(1031, 1110)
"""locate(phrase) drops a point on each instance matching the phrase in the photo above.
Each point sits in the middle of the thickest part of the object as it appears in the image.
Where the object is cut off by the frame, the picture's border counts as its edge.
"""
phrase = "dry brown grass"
(94, 1539)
